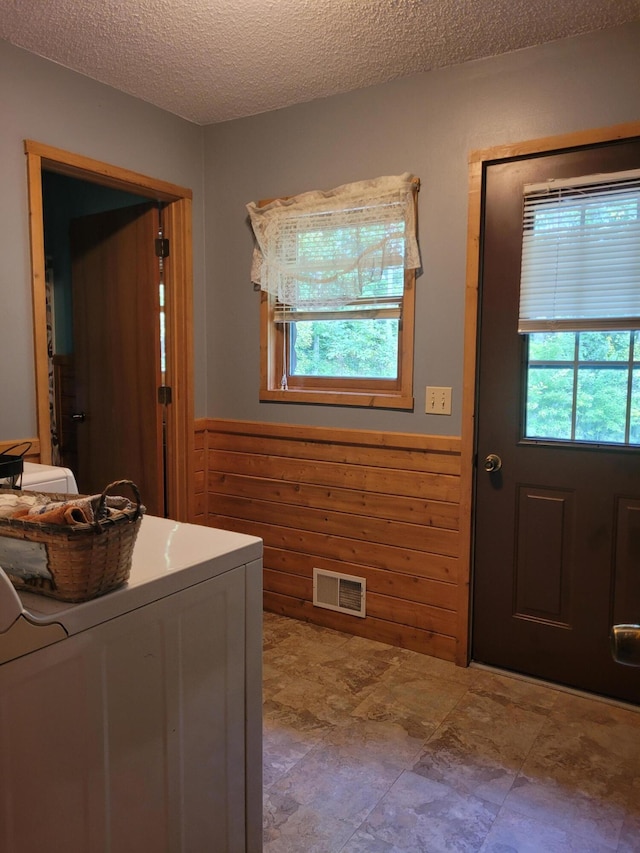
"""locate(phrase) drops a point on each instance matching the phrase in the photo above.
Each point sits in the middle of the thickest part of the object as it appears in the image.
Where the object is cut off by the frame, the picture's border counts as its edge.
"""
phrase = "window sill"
(364, 399)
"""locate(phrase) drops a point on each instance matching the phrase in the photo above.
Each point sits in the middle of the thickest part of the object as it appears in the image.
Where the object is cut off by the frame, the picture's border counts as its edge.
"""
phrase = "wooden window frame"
(338, 391)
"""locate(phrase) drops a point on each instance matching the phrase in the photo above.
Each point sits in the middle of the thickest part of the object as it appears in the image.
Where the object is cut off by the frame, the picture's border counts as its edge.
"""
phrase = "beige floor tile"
(512, 831)
(373, 749)
(576, 761)
(333, 785)
(515, 691)
(430, 667)
(283, 746)
(292, 828)
(363, 841)
(413, 701)
(567, 808)
(418, 814)
(481, 746)
(630, 834)
(374, 742)
(610, 727)
(325, 700)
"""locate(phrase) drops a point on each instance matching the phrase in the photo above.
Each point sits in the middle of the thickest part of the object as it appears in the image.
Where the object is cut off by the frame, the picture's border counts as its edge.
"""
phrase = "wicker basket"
(83, 560)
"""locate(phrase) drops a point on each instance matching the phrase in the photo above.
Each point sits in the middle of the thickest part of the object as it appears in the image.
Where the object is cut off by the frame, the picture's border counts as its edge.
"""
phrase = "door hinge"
(164, 395)
(162, 247)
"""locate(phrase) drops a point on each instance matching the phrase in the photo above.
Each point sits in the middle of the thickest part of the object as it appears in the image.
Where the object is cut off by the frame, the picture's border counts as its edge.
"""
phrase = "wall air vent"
(344, 593)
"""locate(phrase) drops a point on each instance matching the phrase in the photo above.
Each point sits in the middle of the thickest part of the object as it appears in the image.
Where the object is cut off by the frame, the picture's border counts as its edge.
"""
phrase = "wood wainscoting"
(32, 454)
(381, 506)
(198, 501)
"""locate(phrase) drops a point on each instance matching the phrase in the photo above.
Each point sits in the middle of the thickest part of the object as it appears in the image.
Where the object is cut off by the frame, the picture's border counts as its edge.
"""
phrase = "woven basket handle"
(134, 489)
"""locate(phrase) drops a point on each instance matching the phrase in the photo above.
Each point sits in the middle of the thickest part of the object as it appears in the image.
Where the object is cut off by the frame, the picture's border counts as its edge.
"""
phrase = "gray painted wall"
(427, 124)
(54, 106)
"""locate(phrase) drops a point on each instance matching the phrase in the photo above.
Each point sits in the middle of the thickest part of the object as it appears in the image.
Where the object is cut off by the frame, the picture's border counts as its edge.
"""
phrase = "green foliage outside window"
(584, 386)
(363, 348)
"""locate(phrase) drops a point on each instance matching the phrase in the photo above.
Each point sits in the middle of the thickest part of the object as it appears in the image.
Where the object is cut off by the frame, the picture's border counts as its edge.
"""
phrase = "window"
(337, 274)
(580, 309)
(584, 386)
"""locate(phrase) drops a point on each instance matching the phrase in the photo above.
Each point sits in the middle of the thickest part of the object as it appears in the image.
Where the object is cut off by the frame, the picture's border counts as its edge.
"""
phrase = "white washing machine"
(48, 478)
(133, 722)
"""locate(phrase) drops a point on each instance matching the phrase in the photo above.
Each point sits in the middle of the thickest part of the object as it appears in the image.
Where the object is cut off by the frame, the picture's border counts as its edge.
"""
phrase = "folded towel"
(63, 514)
(11, 502)
(81, 510)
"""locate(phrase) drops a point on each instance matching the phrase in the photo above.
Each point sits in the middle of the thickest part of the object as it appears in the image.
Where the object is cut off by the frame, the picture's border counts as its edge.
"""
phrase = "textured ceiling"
(214, 60)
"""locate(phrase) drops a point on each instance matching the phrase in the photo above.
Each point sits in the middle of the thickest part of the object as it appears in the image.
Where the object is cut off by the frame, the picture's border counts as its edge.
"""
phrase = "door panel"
(117, 351)
(544, 532)
(553, 526)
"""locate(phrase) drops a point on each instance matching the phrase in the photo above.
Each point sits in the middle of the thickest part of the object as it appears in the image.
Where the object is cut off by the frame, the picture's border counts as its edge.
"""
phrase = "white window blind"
(581, 254)
(321, 251)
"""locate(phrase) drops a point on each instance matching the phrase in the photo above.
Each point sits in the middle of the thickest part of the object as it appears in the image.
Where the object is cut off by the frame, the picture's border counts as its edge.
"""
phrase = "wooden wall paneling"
(395, 481)
(411, 588)
(389, 557)
(414, 615)
(392, 633)
(413, 460)
(380, 506)
(372, 504)
(370, 530)
(336, 435)
(199, 474)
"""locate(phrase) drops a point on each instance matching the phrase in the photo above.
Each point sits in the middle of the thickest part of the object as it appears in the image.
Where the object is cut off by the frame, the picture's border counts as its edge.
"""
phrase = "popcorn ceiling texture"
(214, 60)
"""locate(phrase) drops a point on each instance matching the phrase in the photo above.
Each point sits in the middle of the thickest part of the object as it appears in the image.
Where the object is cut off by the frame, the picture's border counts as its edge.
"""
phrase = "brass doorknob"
(492, 463)
(625, 644)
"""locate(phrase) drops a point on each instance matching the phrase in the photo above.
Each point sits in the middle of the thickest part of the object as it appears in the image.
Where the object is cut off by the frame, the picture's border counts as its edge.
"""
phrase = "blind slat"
(368, 309)
(581, 255)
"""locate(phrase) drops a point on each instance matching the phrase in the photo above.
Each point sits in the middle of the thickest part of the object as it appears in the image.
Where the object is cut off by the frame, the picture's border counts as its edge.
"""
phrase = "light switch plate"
(437, 400)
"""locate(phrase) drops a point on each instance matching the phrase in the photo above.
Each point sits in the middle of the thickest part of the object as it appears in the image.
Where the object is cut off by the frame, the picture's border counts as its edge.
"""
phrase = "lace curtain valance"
(324, 249)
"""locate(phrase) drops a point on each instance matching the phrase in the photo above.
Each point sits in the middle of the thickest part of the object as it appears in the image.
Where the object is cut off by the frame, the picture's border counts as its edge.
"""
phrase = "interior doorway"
(556, 516)
(162, 429)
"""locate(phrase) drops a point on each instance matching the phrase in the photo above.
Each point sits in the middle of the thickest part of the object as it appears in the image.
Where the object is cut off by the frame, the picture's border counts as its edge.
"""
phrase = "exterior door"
(557, 526)
(115, 277)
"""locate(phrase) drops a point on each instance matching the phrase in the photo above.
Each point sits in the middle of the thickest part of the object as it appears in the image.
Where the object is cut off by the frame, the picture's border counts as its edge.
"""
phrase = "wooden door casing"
(178, 272)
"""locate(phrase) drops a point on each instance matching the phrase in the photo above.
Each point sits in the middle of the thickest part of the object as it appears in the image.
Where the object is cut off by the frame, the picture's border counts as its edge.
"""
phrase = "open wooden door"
(557, 518)
(115, 279)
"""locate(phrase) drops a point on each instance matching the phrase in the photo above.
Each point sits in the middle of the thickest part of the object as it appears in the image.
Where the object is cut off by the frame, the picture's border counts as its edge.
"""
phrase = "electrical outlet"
(437, 400)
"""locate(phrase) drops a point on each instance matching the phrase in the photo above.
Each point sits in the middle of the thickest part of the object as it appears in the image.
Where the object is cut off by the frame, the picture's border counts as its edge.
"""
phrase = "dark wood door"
(557, 528)
(117, 351)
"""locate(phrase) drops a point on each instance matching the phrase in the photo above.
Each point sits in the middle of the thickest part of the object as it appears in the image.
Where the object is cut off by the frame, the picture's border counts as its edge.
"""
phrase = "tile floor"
(373, 749)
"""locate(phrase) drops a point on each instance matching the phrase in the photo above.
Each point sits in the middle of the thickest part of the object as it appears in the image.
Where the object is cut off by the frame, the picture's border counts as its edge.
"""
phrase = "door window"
(580, 309)
(583, 387)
